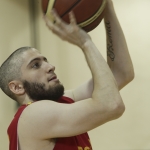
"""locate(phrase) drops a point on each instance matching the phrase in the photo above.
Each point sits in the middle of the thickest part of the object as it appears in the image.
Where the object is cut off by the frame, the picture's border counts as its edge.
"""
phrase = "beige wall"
(129, 132)
(14, 33)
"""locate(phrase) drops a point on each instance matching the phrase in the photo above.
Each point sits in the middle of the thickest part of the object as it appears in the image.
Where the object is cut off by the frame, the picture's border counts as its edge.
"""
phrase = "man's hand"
(68, 32)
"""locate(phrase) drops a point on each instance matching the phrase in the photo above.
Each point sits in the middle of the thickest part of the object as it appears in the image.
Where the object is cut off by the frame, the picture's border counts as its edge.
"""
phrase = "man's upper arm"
(47, 119)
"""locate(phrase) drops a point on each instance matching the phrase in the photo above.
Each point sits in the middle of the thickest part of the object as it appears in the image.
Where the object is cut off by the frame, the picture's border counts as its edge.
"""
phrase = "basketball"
(88, 13)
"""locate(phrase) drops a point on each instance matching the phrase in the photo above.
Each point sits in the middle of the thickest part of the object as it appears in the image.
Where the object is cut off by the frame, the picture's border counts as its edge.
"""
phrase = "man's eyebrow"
(37, 58)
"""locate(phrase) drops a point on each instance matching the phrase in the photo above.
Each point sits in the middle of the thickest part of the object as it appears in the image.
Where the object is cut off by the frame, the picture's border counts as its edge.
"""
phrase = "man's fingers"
(72, 18)
(48, 22)
(73, 21)
(63, 30)
(58, 21)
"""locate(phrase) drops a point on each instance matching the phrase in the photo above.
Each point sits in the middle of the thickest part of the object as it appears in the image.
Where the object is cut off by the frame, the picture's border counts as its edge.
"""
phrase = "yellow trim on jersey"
(29, 103)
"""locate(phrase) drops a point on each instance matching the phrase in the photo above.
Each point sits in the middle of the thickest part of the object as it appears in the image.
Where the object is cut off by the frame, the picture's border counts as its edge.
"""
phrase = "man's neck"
(24, 100)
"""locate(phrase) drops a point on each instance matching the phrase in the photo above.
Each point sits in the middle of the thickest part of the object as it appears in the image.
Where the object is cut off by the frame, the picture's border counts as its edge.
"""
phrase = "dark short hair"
(10, 70)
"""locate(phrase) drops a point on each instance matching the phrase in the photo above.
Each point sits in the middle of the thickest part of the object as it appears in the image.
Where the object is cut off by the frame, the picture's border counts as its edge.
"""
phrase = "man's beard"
(36, 91)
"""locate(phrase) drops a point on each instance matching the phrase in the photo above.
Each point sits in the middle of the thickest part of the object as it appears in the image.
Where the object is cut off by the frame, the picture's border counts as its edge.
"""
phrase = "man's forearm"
(105, 88)
(118, 56)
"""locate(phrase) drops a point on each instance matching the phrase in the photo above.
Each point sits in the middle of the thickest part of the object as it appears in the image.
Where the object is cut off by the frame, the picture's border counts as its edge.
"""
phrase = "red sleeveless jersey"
(79, 142)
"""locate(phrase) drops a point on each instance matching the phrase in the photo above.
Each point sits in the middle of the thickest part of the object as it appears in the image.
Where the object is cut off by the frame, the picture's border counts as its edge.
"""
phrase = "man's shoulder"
(34, 109)
(36, 115)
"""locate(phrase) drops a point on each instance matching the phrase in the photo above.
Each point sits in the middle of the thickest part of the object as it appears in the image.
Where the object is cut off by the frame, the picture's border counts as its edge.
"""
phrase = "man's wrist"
(109, 8)
(87, 45)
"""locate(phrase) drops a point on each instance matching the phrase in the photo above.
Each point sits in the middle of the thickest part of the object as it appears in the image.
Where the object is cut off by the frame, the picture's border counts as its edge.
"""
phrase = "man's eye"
(36, 65)
(45, 60)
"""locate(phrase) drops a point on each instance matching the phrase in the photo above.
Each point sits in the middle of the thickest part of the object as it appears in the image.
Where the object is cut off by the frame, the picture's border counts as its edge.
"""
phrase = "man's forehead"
(31, 50)
(31, 54)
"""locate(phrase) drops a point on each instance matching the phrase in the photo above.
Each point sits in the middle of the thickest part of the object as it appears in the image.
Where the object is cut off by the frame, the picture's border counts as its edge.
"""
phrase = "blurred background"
(21, 24)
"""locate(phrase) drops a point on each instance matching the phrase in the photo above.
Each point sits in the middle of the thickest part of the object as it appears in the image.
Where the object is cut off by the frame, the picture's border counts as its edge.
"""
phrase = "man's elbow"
(130, 76)
(119, 110)
(126, 79)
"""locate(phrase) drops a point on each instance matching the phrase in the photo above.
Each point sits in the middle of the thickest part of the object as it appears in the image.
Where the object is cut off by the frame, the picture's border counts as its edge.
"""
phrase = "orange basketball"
(88, 13)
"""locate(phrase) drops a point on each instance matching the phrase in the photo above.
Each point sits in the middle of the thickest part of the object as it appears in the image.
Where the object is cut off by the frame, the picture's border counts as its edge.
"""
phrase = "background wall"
(129, 132)
(15, 32)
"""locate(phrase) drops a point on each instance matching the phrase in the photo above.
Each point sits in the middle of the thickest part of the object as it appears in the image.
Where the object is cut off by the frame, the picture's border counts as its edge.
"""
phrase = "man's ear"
(16, 87)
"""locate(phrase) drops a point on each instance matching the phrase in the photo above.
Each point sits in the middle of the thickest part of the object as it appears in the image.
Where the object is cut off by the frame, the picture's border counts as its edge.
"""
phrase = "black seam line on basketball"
(94, 17)
(70, 8)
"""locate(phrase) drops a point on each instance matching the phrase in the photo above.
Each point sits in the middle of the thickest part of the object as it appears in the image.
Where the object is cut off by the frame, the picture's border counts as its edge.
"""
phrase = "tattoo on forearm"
(110, 50)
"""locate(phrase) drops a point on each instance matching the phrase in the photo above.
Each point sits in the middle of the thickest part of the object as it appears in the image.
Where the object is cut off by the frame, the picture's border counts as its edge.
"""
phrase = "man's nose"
(50, 68)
